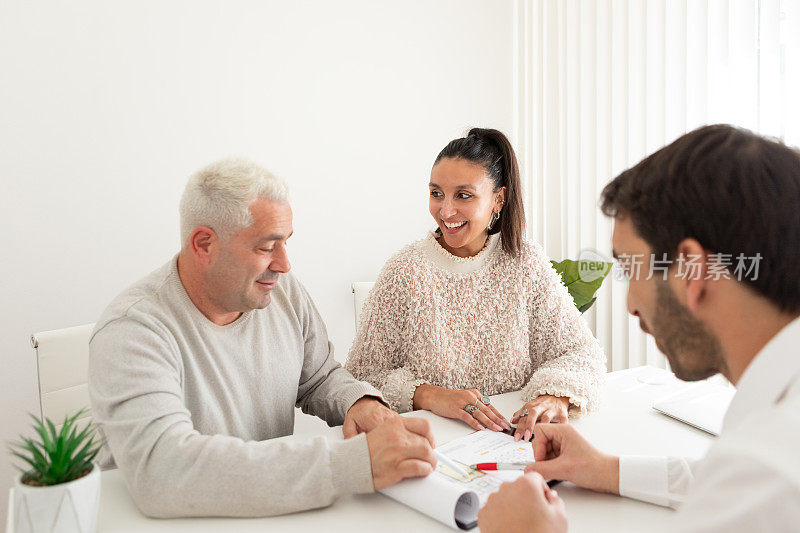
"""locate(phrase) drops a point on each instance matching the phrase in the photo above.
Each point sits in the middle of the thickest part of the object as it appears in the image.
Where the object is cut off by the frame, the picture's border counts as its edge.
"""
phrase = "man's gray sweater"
(199, 417)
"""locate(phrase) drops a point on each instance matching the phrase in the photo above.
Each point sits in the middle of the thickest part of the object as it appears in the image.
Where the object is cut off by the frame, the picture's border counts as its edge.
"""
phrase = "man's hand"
(562, 453)
(526, 505)
(542, 409)
(365, 415)
(400, 447)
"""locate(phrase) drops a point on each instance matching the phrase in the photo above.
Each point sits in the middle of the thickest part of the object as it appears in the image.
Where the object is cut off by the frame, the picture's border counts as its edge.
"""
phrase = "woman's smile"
(454, 227)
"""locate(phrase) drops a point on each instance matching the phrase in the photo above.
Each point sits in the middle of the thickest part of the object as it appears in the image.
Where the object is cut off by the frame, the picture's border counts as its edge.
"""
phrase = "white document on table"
(454, 499)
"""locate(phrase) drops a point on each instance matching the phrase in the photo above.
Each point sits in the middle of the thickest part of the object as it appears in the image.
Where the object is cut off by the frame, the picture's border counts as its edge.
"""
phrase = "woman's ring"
(523, 413)
(470, 408)
(485, 400)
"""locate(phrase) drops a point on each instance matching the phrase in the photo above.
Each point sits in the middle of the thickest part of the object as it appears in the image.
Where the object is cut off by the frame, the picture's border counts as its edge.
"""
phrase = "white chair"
(62, 359)
(360, 292)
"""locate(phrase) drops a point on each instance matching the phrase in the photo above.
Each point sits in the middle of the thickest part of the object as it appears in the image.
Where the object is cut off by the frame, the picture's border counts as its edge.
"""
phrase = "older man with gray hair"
(195, 371)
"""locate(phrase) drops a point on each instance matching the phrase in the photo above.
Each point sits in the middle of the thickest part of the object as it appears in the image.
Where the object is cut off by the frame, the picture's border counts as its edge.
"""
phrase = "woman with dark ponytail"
(475, 309)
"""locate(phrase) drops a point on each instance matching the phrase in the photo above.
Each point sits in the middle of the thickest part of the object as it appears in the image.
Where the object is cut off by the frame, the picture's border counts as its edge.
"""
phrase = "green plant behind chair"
(582, 278)
(56, 456)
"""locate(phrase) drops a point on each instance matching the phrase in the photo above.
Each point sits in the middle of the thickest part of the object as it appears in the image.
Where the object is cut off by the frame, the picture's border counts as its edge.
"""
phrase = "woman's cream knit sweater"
(491, 322)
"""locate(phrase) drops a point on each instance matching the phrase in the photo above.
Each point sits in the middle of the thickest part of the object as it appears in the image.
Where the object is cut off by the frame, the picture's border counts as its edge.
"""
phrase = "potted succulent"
(59, 488)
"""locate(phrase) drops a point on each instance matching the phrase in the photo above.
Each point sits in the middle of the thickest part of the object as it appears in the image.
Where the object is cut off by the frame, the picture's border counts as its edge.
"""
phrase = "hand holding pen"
(488, 467)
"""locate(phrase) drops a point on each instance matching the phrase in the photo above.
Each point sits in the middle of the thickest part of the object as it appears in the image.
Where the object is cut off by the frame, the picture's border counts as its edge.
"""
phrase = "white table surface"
(625, 424)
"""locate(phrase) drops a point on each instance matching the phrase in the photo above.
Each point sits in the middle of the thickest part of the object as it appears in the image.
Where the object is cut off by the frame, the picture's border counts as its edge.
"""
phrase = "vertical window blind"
(602, 83)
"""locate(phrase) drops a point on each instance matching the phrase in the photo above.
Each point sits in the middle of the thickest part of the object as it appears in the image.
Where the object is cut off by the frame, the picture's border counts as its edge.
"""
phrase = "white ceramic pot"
(69, 507)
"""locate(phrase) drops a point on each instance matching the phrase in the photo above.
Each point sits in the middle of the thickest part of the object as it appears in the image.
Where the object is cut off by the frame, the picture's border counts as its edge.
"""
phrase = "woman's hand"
(452, 403)
(542, 409)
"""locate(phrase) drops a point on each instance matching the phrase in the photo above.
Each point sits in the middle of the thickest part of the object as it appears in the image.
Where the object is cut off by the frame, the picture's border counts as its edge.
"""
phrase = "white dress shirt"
(750, 478)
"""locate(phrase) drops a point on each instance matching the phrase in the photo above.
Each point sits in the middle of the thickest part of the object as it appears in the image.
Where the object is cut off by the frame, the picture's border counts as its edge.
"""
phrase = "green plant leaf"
(52, 428)
(39, 455)
(84, 452)
(41, 429)
(582, 288)
(26, 459)
(585, 307)
(88, 430)
(57, 456)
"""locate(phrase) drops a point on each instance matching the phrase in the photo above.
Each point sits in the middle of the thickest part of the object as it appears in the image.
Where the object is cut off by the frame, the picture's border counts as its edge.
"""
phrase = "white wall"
(107, 107)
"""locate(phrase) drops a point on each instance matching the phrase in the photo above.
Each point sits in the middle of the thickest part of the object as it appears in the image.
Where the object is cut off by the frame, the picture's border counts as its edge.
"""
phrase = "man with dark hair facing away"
(719, 209)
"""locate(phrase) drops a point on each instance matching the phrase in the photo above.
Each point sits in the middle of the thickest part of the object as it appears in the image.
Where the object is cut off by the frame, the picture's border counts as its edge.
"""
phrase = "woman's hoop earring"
(492, 220)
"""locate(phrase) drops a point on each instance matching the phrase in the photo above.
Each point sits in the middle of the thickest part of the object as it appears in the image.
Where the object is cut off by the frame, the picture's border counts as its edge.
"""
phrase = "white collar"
(460, 265)
(768, 376)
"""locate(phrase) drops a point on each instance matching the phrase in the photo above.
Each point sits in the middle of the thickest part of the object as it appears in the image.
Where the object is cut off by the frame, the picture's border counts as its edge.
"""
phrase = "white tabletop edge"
(626, 424)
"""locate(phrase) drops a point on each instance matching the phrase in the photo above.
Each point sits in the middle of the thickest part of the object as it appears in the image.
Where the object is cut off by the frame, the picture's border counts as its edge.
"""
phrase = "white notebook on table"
(702, 406)
(453, 499)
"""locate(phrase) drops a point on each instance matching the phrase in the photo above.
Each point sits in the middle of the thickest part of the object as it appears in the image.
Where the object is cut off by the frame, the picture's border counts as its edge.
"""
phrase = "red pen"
(500, 466)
